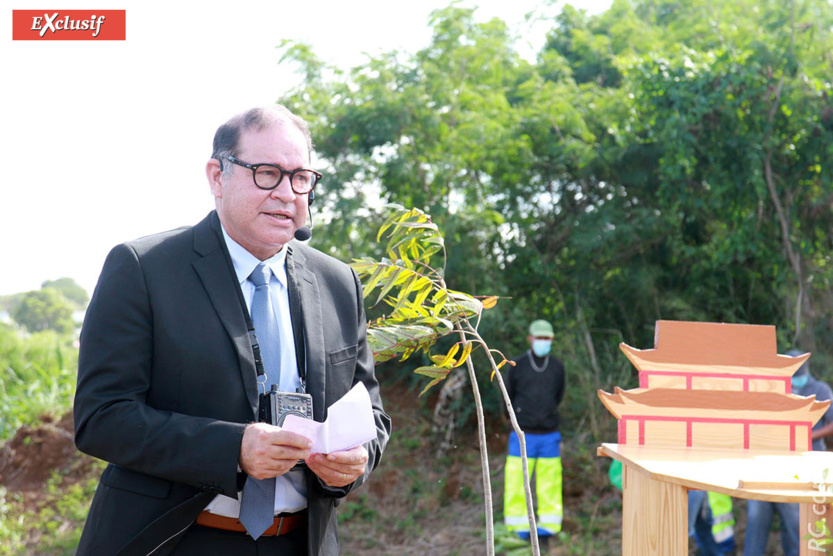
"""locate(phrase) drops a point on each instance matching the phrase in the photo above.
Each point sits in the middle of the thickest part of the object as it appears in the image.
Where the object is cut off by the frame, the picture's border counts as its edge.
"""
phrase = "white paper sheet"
(349, 423)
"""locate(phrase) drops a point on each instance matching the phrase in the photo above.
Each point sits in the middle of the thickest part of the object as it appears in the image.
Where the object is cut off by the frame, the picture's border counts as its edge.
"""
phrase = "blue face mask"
(541, 347)
(800, 381)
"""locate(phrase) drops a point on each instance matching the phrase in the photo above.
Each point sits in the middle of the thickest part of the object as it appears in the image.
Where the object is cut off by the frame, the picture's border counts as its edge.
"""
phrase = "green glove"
(615, 473)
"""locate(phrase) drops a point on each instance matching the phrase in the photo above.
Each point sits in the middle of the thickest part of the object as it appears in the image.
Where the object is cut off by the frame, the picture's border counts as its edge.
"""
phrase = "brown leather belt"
(281, 525)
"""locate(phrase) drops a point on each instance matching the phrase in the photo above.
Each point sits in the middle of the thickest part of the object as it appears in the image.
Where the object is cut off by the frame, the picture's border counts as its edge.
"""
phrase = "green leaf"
(424, 225)
(390, 282)
(430, 385)
(438, 374)
(390, 219)
(374, 279)
(432, 371)
(363, 266)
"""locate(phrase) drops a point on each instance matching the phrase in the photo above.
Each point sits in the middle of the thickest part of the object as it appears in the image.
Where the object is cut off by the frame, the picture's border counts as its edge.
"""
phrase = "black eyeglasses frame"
(291, 173)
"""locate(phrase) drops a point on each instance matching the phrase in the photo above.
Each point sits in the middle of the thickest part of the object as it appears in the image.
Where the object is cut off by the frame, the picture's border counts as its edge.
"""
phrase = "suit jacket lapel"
(309, 332)
(215, 270)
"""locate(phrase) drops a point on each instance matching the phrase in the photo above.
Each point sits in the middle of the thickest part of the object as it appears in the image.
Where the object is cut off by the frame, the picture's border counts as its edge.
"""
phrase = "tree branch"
(793, 257)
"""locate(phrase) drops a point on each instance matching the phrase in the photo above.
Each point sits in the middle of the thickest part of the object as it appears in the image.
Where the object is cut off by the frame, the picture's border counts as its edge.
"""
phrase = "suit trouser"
(207, 541)
(544, 459)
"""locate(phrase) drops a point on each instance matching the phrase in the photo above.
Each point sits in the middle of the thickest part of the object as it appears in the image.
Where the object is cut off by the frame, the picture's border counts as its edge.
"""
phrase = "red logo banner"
(69, 25)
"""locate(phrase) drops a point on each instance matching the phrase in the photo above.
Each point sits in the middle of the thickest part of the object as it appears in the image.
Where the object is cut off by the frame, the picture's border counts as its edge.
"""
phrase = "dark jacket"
(166, 383)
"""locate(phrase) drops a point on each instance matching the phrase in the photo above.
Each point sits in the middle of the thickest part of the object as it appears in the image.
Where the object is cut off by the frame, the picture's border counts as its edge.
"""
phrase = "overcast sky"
(103, 142)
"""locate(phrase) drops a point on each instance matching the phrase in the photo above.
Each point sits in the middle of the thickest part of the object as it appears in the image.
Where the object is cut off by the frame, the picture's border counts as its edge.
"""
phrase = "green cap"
(541, 329)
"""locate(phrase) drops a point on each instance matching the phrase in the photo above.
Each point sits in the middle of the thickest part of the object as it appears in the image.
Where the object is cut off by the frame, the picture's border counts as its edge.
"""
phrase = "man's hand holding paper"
(339, 469)
(349, 423)
(338, 456)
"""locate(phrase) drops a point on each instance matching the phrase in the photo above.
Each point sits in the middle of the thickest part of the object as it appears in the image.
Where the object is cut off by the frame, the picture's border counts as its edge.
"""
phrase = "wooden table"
(656, 482)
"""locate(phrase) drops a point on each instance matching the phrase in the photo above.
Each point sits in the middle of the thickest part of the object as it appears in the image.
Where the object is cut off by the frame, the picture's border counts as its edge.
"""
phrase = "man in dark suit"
(167, 382)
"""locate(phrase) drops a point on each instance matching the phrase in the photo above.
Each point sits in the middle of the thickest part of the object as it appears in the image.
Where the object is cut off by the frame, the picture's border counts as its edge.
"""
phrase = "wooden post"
(654, 515)
(809, 535)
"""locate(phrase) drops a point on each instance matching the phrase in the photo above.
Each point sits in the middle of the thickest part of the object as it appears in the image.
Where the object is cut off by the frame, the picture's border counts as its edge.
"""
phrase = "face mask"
(800, 381)
(541, 347)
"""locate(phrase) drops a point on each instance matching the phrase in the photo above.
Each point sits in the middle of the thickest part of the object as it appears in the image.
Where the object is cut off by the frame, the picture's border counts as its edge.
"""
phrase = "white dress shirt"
(290, 489)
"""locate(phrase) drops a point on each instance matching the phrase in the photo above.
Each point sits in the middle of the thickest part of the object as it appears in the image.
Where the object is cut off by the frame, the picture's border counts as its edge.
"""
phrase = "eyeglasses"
(268, 176)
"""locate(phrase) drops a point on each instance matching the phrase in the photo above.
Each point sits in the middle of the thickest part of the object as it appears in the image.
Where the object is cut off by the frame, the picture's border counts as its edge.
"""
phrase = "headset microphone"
(303, 233)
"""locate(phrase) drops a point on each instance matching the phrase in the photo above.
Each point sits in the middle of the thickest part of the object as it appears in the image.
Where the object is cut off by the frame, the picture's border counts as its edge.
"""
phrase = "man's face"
(540, 345)
(261, 221)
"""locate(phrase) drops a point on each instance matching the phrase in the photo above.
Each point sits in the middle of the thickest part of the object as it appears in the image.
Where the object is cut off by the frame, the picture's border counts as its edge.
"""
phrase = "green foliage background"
(661, 160)
(38, 377)
(38, 369)
(37, 380)
(44, 309)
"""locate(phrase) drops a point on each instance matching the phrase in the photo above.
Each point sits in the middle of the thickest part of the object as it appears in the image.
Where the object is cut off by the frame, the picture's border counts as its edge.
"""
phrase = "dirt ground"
(423, 505)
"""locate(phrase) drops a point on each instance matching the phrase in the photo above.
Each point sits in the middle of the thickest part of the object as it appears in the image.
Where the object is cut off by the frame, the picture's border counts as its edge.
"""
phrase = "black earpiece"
(311, 196)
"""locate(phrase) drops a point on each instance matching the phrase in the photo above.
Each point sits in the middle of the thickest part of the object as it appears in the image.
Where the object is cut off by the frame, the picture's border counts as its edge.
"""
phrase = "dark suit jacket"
(167, 383)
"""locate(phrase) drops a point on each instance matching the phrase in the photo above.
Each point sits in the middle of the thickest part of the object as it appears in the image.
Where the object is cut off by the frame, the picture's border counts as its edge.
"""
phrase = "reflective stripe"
(550, 519)
(516, 521)
(723, 534)
(725, 518)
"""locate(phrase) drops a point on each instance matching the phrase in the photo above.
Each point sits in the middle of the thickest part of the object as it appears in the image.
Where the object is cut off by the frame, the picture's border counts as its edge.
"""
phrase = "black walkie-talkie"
(276, 405)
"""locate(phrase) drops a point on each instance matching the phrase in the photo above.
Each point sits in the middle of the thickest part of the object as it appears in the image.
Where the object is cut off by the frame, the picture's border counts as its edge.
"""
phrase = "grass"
(51, 522)
(37, 377)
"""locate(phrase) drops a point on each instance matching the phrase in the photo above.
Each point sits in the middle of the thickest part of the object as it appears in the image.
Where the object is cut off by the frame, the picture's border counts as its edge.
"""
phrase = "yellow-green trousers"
(544, 460)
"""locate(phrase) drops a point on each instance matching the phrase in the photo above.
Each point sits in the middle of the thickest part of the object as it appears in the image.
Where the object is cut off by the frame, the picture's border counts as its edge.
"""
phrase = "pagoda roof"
(724, 404)
(691, 347)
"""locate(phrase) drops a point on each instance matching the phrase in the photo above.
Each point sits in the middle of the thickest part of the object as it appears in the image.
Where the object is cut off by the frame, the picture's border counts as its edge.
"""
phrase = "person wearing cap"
(759, 513)
(535, 384)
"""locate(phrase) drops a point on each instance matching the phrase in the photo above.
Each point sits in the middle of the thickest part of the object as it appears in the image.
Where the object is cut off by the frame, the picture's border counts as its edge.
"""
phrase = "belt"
(281, 525)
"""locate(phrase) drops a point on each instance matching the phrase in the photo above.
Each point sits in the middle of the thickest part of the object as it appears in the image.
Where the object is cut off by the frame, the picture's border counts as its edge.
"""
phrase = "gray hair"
(227, 137)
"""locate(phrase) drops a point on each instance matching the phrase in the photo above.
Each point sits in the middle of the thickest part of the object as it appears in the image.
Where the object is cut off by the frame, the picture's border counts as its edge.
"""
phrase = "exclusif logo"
(69, 25)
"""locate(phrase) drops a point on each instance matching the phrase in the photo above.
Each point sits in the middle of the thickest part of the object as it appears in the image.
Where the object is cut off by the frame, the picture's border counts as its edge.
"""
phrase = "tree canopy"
(661, 160)
(44, 309)
(71, 290)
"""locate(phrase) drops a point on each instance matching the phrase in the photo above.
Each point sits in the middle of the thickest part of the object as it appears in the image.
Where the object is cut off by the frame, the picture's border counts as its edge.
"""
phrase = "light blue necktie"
(258, 506)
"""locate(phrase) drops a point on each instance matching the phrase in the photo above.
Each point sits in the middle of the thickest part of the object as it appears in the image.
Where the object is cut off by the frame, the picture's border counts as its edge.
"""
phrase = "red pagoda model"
(714, 385)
